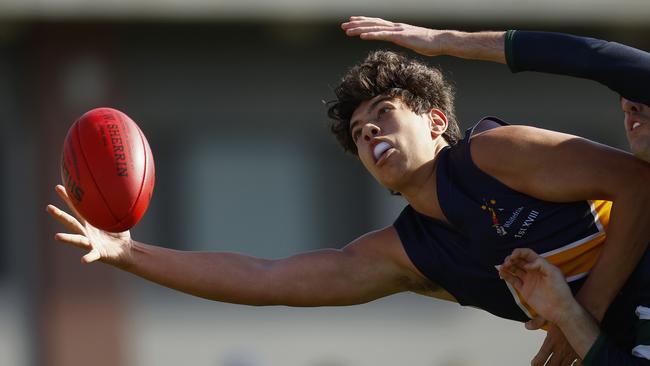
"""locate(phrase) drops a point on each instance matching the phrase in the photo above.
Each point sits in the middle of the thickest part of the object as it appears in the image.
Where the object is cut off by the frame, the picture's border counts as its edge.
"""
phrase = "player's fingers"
(536, 265)
(371, 30)
(554, 360)
(525, 254)
(541, 360)
(561, 359)
(510, 278)
(61, 191)
(362, 18)
(543, 266)
(66, 219)
(76, 240)
(568, 359)
(544, 353)
(535, 323)
(514, 259)
(517, 271)
(515, 266)
(366, 23)
(508, 266)
(393, 36)
(92, 256)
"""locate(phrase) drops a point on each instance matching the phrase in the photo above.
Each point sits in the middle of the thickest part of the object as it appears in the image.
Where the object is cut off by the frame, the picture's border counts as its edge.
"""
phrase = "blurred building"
(231, 97)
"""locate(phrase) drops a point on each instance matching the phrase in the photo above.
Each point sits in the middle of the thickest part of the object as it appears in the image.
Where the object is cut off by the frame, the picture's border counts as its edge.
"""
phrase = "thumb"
(535, 323)
(92, 256)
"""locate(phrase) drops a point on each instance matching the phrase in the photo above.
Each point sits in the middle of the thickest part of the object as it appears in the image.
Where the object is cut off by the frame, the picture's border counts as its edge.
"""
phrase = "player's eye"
(383, 110)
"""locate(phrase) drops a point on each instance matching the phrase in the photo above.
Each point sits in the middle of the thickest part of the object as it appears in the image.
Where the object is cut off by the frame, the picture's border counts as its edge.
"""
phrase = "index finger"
(525, 254)
(544, 353)
(61, 191)
(66, 219)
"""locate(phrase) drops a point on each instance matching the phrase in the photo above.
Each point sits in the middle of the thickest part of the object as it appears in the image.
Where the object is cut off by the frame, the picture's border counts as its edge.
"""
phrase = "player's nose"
(630, 106)
(369, 131)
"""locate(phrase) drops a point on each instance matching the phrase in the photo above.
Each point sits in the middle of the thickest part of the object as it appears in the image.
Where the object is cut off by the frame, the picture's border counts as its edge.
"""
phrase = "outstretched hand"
(111, 248)
(543, 287)
(424, 41)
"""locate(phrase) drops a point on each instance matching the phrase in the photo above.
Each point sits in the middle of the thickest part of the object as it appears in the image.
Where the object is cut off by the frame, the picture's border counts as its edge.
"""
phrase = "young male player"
(468, 210)
(623, 69)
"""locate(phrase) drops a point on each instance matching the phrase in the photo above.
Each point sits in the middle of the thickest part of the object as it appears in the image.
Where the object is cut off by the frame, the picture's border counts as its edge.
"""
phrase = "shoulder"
(519, 146)
(384, 244)
(530, 146)
(553, 166)
(506, 137)
(522, 156)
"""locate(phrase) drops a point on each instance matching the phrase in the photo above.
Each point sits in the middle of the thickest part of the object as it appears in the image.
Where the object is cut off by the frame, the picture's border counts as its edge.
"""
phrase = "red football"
(107, 169)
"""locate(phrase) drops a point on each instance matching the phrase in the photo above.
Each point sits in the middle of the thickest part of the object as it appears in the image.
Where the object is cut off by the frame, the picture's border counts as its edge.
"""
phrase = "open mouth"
(380, 149)
(635, 125)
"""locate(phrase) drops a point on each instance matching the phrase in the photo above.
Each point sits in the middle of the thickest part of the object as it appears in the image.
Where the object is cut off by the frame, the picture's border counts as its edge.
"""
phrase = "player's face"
(637, 127)
(392, 141)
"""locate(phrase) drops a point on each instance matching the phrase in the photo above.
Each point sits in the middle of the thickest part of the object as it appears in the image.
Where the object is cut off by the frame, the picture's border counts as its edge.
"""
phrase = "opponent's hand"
(540, 283)
(556, 350)
(424, 41)
(111, 248)
(543, 287)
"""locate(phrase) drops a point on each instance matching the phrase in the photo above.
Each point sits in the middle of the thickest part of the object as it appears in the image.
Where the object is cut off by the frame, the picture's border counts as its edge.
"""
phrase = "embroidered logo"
(490, 207)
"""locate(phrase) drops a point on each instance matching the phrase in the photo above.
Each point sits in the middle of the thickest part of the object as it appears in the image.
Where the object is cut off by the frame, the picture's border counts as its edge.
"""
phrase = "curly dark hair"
(417, 85)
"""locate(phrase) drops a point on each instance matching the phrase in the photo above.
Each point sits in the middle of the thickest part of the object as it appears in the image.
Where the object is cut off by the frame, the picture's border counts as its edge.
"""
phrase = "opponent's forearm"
(593, 347)
(627, 239)
(579, 328)
(624, 69)
(485, 46)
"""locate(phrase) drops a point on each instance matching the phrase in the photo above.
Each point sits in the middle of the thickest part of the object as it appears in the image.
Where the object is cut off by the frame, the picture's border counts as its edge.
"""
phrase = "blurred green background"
(231, 97)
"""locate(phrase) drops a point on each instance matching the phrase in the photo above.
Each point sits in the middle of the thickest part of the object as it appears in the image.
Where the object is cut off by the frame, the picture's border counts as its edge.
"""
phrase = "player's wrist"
(451, 42)
(485, 46)
(567, 313)
(127, 259)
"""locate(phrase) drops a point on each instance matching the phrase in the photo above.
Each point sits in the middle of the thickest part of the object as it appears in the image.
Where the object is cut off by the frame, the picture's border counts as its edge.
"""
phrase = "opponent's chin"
(640, 143)
(642, 150)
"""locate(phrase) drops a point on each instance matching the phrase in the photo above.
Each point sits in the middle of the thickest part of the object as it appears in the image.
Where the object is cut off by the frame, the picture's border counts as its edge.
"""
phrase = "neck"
(422, 191)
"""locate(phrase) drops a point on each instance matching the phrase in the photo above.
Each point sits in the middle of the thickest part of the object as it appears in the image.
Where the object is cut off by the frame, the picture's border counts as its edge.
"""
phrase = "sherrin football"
(107, 169)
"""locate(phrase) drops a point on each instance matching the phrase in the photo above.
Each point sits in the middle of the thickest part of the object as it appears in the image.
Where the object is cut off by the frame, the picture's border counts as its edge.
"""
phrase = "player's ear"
(437, 122)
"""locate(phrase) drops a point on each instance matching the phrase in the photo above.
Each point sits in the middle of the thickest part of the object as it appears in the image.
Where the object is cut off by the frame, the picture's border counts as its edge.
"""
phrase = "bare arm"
(373, 266)
(486, 46)
(563, 168)
(358, 273)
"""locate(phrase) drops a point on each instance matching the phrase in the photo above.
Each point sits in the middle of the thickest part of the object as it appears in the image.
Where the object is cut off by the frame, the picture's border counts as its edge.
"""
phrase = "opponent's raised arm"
(624, 69)
(486, 46)
(371, 267)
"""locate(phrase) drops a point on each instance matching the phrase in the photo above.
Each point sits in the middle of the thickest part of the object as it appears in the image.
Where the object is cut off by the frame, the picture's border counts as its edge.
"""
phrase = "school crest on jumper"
(490, 207)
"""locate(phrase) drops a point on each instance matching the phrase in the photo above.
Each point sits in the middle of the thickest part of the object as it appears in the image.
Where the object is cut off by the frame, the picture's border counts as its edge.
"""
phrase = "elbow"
(633, 185)
(641, 185)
